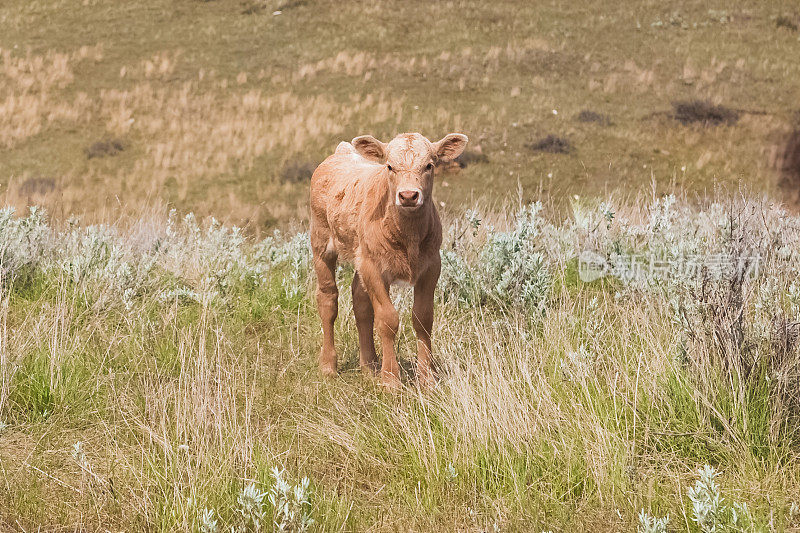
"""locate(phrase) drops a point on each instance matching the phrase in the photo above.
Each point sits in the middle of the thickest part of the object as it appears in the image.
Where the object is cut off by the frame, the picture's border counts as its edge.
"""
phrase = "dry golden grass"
(212, 101)
(31, 89)
(206, 128)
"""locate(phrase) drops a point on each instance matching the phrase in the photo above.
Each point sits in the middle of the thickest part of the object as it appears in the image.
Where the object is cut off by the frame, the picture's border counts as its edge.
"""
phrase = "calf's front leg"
(388, 321)
(422, 320)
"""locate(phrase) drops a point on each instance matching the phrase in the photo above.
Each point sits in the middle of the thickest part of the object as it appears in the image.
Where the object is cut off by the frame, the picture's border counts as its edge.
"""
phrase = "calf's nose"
(408, 198)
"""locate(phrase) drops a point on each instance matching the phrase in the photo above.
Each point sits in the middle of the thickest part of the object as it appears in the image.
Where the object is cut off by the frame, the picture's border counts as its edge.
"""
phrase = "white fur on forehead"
(409, 149)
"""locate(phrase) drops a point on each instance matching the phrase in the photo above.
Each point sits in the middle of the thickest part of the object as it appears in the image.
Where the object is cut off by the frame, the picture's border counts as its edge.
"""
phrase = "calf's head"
(409, 160)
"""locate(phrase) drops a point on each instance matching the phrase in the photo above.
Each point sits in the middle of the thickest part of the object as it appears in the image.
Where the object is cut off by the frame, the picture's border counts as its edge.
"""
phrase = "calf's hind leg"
(328, 305)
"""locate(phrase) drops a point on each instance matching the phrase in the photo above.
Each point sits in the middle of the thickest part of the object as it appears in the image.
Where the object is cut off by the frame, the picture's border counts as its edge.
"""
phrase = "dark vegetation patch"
(551, 144)
(590, 116)
(703, 112)
(474, 67)
(37, 185)
(291, 4)
(467, 158)
(784, 21)
(253, 9)
(788, 162)
(104, 148)
(471, 157)
(297, 171)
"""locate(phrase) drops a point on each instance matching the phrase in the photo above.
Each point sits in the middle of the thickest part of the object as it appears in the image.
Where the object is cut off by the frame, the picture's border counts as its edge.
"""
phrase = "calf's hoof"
(427, 380)
(370, 369)
(328, 371)
(390, 381)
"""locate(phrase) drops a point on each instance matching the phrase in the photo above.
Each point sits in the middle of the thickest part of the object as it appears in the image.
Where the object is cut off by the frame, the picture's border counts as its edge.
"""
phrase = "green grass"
(237, 386)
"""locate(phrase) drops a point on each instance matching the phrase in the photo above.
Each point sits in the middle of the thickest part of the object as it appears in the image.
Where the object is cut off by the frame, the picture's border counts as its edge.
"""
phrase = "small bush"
(24, 242)
(784, 21)
(291, 503)
(252, 10)
(298, 171)
(651, 524)
(703, 112)
(589, 116)
(471, 157)
(208, 523)
(509, 268)
(105, 148)
(513, 265)
(37, 186)
(291, 4)
(551, 144)
(710, 511)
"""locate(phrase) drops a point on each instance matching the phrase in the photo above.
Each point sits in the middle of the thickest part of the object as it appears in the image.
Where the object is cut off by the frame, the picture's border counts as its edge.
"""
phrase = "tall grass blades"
(180, 354)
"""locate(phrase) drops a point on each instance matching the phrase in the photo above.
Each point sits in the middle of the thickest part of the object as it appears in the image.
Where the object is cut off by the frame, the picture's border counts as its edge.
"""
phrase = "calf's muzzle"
(409, 198)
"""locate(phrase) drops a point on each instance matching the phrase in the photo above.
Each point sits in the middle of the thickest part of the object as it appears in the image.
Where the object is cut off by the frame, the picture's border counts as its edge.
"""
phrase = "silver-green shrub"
(506, 267)
(513, 268)
(251, 507)
(291, 503)
(651, 524)
(24, 242)
(711, 512)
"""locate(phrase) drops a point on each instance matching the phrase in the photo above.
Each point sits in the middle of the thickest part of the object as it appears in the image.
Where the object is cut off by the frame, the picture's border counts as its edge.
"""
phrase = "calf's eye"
(430, 166)
(389, 167)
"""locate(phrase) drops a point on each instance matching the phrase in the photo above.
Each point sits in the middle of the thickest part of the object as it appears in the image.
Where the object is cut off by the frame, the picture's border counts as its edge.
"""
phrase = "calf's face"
(409, 160)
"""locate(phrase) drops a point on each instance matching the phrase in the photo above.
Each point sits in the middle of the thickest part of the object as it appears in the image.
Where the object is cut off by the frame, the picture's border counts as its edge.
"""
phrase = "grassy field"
(153, 376)
(220, 107)
(158, 368)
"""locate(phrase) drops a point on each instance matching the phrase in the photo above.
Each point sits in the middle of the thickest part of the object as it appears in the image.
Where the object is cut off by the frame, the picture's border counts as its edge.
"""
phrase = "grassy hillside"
(158, 368)
(152, 376)
(221, 107)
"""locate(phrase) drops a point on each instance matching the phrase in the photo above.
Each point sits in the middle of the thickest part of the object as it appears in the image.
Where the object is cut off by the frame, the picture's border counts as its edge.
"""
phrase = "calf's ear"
(370, 148)
(450, 146)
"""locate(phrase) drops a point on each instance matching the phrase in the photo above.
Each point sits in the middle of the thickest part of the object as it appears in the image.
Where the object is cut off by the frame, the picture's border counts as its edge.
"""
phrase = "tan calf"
(372, 204)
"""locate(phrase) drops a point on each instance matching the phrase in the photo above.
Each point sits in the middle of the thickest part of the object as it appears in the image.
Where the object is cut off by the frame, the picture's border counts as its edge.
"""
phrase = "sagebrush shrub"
(711, 512)
(651, 524)
(507, 267)
(205, 265)
(291, 503)
(24, 242)
(513, 268)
